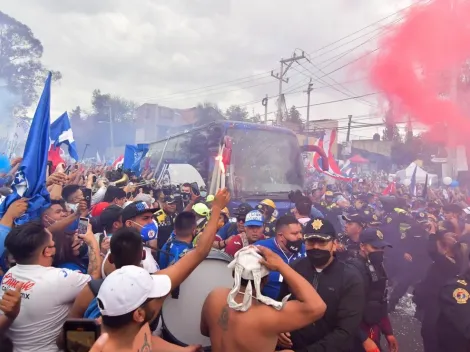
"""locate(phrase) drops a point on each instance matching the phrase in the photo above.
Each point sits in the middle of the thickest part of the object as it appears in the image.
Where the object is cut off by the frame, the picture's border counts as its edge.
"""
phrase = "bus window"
(265, 161)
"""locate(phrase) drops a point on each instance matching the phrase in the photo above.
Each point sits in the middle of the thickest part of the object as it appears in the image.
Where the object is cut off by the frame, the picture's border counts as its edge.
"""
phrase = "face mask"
(73, 207)
(148, 232)
(376, 258)
(203, 194)
(293, 246)
(318, 257)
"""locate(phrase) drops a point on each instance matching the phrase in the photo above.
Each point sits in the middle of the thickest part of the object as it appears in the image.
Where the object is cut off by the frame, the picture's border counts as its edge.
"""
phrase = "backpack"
(93, 311)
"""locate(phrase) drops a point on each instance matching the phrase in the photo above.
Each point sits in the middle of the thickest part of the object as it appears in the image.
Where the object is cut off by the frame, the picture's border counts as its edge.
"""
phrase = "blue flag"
(30, 179)
(413, 182)
(61, 132)
(133, 156)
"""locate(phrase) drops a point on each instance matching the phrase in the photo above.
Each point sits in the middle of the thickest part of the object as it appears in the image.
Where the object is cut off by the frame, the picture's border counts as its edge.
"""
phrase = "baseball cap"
(319, 229)
(135, 209)
(329, 194)
(242, 209)
(110, 215)
(127, 288)
(372, 219)
(254, 218)
(373, 237)
(98, 208)
(355, 217)
(420, 217)
(169, 199)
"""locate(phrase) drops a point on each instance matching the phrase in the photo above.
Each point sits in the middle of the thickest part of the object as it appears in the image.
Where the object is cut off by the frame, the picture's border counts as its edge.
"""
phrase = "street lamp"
(111, 131)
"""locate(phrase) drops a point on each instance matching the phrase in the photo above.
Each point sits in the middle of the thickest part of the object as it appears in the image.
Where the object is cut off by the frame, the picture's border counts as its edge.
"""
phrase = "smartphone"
(195, 188)
(83, 225)
(80, 334)
(87, 195)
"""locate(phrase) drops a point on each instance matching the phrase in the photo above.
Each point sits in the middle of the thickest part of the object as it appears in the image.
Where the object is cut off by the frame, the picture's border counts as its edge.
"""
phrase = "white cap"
(127, 288)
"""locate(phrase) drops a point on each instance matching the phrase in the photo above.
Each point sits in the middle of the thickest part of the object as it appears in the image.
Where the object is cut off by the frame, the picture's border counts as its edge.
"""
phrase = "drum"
(181, 311)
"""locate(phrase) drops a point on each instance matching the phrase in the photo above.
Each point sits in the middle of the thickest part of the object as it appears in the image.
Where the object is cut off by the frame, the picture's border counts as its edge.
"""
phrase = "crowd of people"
(322, 277)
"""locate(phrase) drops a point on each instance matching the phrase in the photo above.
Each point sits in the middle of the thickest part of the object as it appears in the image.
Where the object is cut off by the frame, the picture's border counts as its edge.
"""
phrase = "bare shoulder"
(218, 294)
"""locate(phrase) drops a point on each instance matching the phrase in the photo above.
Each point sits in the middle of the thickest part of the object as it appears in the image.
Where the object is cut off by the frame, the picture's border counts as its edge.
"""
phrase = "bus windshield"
(265, 161)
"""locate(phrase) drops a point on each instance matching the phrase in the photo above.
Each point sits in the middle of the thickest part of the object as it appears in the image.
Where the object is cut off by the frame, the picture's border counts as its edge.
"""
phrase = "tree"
(208, 112)
(76, 114)
(103, 104)
(294, 116)
(236, 113)
(255, 119)
(20, 62)
(391, 132)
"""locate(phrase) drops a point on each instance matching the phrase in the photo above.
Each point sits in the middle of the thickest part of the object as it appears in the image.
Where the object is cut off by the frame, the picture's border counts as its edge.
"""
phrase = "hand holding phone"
(80, 334)
(83, 226)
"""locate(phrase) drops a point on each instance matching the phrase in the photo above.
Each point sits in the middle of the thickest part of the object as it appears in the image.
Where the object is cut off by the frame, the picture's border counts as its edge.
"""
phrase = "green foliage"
(21, 69)
(294, 116)
(208, 112)
(103, 104)
(391, 133)
(236, 113)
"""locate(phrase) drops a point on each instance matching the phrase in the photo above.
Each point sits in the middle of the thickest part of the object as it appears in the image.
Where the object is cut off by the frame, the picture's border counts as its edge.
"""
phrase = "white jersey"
(47, 296)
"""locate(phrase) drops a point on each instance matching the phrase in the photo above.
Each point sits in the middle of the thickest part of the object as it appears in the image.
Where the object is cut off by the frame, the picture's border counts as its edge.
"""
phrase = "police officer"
(165, 219)
(417, 260)
(338, 284)
(454, 320)
(395, 222)
(268, 208)
(349, 246)
(333, 211)
(375, 321)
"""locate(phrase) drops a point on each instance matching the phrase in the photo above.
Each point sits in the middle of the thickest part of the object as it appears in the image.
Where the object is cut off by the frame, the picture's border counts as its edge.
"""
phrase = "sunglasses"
(241, 219)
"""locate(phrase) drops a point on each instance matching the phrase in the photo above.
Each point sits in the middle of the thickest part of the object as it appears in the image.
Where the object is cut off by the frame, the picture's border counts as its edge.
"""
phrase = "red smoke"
(416, 61)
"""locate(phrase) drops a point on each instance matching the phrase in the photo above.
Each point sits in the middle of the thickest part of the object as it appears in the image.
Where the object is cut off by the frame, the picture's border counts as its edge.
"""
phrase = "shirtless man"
(249, 322)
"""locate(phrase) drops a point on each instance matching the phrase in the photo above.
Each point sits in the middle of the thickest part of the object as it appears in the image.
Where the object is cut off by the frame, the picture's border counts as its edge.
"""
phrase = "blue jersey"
(172, 251)
(229, 229)
(273, 286)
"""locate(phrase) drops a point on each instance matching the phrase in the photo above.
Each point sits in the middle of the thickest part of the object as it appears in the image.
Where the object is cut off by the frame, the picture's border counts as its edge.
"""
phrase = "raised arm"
(179, 271)
(308, 308)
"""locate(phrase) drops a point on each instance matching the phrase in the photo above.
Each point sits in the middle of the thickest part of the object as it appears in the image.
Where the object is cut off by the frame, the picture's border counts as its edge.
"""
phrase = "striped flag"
(325, 142)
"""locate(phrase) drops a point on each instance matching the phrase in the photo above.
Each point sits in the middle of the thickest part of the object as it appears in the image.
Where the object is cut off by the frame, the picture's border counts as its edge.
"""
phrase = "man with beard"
(253, 232)
(128, 300)
(340, 287)
(288, 245)
(375, 320)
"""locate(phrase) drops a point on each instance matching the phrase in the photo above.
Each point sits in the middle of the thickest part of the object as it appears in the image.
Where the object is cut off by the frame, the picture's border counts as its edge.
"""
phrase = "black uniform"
(454, 319)
(426, 295)
(415, 244)
(351, 248)
(341, 287)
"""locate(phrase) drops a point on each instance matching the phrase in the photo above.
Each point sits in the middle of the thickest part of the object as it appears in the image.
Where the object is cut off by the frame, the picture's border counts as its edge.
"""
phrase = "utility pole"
(308, 91)
(264, 102)
(349, 128)
(280, 76)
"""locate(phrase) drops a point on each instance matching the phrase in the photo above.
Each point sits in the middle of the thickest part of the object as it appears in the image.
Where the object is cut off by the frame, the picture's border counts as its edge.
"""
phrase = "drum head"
(182, 316)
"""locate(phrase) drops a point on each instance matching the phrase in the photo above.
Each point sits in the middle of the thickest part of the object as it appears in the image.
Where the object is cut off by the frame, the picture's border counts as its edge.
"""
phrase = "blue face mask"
(203, 194)
(149, 232)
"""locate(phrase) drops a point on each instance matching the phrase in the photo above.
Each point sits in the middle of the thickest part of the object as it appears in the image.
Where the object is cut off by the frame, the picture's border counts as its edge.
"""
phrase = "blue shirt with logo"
(172, 251)
(273, 286)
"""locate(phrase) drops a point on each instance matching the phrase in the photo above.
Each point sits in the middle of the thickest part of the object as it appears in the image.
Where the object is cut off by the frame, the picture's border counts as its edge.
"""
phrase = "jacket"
(341, 288)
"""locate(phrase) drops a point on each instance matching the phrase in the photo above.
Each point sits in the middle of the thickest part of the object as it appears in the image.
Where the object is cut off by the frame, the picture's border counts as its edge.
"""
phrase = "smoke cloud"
(417, 61)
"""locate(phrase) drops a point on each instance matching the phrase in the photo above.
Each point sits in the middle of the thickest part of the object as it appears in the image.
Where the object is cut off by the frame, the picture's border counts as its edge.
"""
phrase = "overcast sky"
(148, 50)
